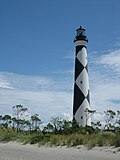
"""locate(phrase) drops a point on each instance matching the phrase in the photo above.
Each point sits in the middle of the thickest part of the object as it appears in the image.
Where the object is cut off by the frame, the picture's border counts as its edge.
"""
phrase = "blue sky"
(37, 54)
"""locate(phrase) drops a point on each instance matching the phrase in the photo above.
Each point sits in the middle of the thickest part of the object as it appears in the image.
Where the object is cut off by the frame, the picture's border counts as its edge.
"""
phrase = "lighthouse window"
(81, 117)
(81, 82)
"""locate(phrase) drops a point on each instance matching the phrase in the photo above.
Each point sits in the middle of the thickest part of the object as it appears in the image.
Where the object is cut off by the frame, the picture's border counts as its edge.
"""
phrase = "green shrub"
(37, 138)
(107, 134)
(101, 142)
(98, 139)
(117, 141)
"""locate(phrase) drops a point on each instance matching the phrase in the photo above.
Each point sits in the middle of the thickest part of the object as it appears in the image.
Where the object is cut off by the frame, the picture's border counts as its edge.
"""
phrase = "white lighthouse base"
(81, 116)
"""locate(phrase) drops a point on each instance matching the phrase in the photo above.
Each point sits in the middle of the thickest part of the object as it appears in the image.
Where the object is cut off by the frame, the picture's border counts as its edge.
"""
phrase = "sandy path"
(15, 151)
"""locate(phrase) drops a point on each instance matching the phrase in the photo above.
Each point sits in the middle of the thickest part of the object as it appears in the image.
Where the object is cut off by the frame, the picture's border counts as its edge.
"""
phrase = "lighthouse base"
(81, 116)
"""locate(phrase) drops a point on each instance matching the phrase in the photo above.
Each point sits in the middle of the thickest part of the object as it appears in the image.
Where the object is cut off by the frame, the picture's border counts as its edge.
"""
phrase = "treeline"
(27, 129)
(20, 121)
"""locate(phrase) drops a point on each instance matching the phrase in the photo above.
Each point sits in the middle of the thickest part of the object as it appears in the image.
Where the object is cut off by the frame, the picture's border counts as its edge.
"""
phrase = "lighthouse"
(81, 101)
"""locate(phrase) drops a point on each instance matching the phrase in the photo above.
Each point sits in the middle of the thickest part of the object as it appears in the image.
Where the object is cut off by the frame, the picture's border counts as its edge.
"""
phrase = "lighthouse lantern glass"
(80, 32)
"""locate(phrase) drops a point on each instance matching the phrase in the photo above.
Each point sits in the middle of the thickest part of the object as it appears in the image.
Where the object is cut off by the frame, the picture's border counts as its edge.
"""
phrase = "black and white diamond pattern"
(78, 68)
(80, 115)
(78, 98)
(81, 86)
(82, 82)
(82, 56)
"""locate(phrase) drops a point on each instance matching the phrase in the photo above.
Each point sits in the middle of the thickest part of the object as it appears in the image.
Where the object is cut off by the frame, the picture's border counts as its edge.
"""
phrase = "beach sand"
(16, 151)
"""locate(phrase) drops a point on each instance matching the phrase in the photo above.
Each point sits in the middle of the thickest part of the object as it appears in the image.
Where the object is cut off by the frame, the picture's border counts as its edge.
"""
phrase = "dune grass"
(71, 140)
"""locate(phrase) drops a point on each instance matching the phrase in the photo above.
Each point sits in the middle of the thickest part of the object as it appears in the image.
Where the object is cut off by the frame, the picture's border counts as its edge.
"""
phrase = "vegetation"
(59, 132)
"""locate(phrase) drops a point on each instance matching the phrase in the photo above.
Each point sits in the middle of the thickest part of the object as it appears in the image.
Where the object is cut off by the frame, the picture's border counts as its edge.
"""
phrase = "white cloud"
(105, 81)
(70, 55)
(40, 95)
(4, 83)
(112, 60)
(45, 103)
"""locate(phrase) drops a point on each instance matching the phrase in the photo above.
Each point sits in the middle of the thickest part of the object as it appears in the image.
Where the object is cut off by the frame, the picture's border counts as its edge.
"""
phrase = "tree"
(96, 125)
(57, 124)
(22, 124)
(112, 119)
(19, 114)
(28, 125)
(35, 121)
(67, 126)
(118, 118)
(75, 125)
(1, 119)
(109, 119)
(49, 128)
(7, 120)
(14, 122)
(88, 114)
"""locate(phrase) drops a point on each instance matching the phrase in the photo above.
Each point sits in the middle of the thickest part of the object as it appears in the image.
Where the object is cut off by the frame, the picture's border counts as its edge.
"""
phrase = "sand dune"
(16, 151)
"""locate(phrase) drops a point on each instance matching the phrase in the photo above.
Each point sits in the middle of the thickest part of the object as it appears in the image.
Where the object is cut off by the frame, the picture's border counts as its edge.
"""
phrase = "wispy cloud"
(111, 60)
(45, 103)
(4, 83)
(43, 95)
(104, 81)
(70, 55)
